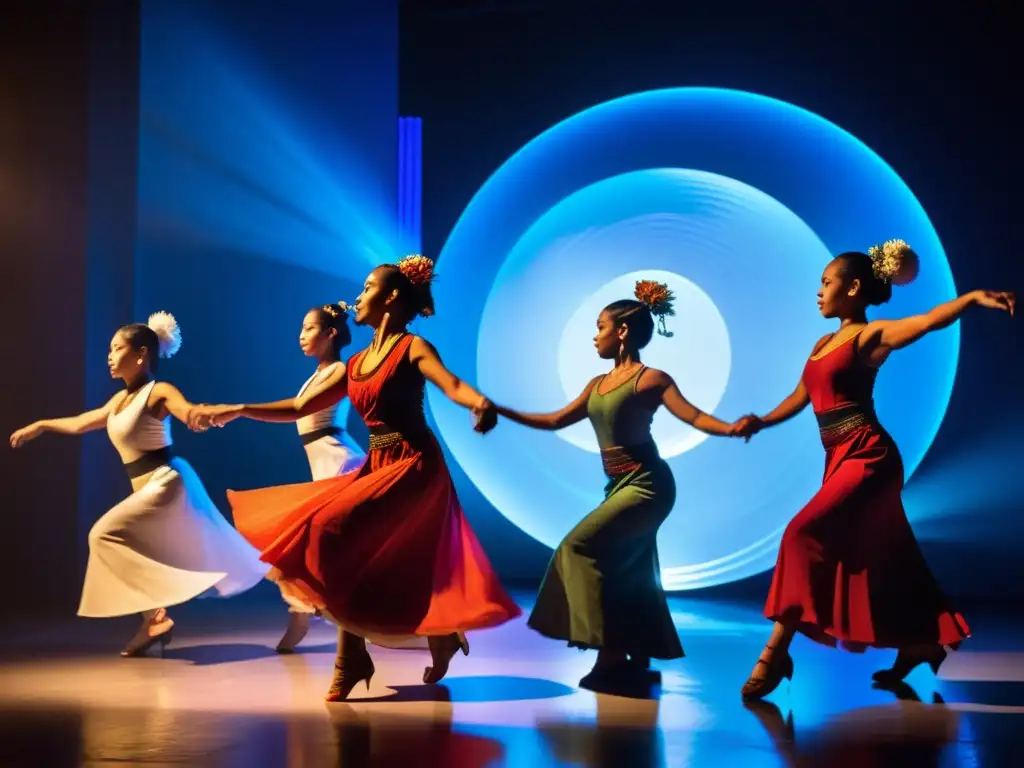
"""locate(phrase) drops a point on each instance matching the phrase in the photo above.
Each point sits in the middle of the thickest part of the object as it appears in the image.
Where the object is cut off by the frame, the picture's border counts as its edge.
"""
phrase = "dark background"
(123, 191)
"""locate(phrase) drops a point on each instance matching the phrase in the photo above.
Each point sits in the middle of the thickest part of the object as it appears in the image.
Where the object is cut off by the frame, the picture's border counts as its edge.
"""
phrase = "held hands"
(1004, 300)
(747, 427)
(485, 416)
(202, 417)
(23, 435)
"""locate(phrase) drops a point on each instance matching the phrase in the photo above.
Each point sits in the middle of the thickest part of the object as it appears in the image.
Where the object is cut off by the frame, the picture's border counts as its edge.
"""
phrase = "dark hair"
(139, 335)
(860, 266)
(334, 316)
(637, 317)
(413, 299)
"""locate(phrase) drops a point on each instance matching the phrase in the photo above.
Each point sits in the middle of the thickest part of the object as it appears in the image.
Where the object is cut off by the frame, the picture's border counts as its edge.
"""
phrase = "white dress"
(167, 542)
(331, 452)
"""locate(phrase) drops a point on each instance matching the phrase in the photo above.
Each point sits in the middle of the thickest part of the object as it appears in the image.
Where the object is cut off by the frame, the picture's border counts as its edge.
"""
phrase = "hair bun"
(894, 261)
(167, 331)
(419, 270)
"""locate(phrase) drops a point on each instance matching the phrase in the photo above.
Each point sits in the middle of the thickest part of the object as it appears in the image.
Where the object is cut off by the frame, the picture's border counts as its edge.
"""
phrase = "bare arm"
(788, 408)
(883, 336)
(168, 397)
(68, 425)
(686, 411)
(572, 413)
(423, 355)
(330, 391)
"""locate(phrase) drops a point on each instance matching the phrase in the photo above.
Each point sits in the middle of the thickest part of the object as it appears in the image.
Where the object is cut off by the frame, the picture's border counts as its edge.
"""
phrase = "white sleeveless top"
(134, 432)
(330, 416)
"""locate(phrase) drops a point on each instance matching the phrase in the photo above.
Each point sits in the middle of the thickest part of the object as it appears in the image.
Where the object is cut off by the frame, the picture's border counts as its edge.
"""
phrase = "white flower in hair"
(167, 331)
(894, 261)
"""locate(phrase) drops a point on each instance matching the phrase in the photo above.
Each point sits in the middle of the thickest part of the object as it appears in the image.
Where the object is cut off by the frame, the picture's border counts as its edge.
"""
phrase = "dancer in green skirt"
(602, 589)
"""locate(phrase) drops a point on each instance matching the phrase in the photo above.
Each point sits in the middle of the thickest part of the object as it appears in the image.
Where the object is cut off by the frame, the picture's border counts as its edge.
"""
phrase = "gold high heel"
(143, 641)
(442, 651)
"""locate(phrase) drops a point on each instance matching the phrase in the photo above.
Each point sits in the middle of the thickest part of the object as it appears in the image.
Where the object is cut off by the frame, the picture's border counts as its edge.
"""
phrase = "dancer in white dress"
(167, 542)
(330, 451)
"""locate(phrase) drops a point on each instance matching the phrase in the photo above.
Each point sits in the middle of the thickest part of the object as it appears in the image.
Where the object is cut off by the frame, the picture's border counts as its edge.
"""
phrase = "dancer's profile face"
(122, 360)
(314, 339)
(372, 302)
(838, 296)
(609, 336)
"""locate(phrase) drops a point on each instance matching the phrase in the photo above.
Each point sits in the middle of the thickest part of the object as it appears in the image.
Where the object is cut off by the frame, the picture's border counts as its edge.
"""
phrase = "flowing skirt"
(332, 455)
(850, 570)
(164, 545)
(384, 551)
(603, 586)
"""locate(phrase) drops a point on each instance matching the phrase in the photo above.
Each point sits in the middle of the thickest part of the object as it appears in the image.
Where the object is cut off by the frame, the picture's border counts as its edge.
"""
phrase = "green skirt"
(602, 588)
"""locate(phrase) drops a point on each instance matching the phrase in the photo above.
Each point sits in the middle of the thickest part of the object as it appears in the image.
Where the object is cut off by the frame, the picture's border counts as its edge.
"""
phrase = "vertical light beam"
(410, 183)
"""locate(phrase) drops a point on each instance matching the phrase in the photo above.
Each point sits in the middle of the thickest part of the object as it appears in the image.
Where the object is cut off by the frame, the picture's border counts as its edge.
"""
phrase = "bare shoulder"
(420, 347)
(654, 378)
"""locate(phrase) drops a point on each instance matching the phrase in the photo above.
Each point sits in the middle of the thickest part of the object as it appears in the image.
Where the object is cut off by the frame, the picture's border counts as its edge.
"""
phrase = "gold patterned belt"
(386, 440)
(621, 460)
(836, 424)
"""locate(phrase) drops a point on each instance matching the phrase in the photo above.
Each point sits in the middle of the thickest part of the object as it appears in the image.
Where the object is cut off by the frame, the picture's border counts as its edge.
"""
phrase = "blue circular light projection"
(737, 201)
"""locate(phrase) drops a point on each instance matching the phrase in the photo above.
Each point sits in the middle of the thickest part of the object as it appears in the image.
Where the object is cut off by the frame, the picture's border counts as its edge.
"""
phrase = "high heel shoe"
(779, 668)
(447, 646)
(141, 647)
(348, 676)
(906, 663)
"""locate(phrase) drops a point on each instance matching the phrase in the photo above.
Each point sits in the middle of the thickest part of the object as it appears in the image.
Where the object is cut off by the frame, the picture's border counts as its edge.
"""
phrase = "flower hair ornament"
(167, 331)
(659, 300)
(418, 269)
(894, 262)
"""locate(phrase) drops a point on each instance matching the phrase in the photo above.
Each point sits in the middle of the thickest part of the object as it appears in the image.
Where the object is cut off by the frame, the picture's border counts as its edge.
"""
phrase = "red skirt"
(849, 570)
(383, 550)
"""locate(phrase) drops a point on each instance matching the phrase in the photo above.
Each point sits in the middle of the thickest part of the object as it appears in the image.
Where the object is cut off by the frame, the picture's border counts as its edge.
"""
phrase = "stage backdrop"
(267, 185)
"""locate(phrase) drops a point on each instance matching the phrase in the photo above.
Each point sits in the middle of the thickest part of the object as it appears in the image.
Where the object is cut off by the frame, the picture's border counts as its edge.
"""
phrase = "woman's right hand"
(23, 435)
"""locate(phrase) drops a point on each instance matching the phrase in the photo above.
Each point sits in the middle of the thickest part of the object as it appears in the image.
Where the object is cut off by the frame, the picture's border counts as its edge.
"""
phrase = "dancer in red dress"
(386, 550)
(849, 570)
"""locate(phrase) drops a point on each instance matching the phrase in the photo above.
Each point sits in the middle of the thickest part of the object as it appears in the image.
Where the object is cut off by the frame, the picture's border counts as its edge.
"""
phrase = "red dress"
(385, 549)
(849, 568)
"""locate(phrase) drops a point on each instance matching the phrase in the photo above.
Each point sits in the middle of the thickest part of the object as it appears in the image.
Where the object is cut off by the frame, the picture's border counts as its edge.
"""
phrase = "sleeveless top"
(134, 432)
(841, 388)
(618, 417)
(389, 397)
(330, 416)
(840, 379)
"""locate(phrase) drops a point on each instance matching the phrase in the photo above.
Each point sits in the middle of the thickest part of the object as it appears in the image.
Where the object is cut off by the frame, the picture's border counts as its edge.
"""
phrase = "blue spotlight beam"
(410, 183)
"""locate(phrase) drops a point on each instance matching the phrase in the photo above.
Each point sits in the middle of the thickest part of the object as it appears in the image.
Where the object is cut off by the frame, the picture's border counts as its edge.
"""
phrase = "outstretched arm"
(570, 414)
(69, 425)
(883, 336)
(423, 355)
(314, 399)
(686, 411)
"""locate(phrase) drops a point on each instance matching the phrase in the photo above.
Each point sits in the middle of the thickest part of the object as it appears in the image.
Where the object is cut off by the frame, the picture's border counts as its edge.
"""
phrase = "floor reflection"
(221, 698)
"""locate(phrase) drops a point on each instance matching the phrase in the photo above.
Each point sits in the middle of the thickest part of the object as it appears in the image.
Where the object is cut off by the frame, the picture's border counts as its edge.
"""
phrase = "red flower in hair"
(656, 296)
(659, 300)
(418, 269)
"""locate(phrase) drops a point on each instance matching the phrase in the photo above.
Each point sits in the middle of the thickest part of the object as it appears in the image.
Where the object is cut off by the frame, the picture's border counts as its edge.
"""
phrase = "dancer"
(329, 449)
(602, 589)
(386, 550)
(849, 570)
(167, 542)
